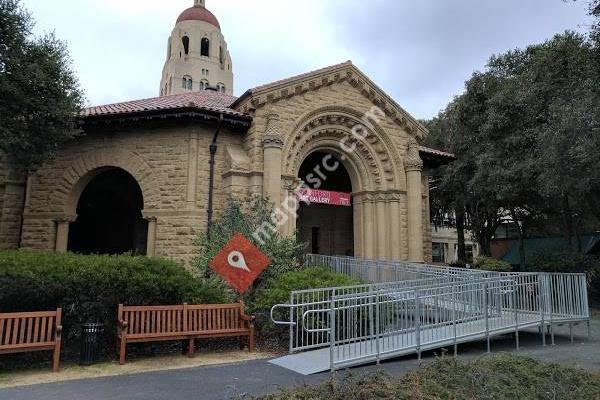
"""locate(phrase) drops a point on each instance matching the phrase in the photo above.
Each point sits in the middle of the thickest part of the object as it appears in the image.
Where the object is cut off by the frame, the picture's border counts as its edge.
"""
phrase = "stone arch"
(377, 153)
(86, 167)
(328, 140)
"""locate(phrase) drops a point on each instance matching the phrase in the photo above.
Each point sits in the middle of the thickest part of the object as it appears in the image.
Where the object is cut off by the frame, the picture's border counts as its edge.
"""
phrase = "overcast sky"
(419, 51)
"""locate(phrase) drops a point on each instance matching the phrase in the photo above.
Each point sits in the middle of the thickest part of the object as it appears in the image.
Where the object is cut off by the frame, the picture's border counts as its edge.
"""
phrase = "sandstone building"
(138, 180)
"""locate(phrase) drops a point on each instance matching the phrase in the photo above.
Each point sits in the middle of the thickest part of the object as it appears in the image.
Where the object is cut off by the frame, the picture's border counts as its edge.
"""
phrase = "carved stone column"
(62, 232)
(394, 226)
(414, 169)
(368, 226)
(151, 242)
(290, 205)
(358, 210)
(382, 221)
(272, 146)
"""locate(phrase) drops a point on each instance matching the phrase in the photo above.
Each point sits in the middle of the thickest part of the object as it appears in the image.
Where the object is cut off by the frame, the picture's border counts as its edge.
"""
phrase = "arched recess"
(83, 170)
(375, 169)
(109, 215)
(376, 150)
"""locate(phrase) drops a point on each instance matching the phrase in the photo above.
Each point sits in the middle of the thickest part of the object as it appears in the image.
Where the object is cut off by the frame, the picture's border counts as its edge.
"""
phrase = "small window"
(204, 84)
(221, 87)
(438, 254)
(221, 55)
(205, 47)
(186, 44)
(187, 82)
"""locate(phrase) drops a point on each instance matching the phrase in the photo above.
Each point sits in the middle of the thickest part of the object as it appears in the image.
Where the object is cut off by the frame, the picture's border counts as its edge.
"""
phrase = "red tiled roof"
(434, 152)
(198, 13)
(206, 100)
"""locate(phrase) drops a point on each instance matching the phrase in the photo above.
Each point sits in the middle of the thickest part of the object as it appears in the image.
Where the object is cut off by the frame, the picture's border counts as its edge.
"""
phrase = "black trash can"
(90, 343)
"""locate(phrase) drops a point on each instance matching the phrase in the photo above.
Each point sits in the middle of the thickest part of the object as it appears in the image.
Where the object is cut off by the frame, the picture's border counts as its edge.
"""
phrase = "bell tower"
(197, 55)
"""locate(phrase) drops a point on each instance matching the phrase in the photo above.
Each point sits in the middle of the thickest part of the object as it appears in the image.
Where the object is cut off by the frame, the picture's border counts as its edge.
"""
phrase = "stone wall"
(170, 163)
(382, 155)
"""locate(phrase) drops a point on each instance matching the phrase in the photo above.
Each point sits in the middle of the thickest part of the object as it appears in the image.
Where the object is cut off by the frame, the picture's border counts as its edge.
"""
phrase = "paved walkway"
(259, 377)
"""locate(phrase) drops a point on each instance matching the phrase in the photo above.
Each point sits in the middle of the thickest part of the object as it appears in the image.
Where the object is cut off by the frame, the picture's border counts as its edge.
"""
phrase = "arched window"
(221, 55)
(204, 84)
(205, 47)
(187, 83)
(186, 44)
(221, 87)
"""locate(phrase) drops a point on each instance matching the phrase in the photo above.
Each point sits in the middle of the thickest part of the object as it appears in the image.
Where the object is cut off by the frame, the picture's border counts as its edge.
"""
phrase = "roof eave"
(179, 112)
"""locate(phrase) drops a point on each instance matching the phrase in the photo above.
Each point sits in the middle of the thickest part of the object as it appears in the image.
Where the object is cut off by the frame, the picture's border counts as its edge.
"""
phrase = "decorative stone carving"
(272, 137)
(413, 161)
(376, 153)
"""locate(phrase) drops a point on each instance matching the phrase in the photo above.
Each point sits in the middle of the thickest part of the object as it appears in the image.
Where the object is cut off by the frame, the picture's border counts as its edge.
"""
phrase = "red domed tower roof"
(199, 13)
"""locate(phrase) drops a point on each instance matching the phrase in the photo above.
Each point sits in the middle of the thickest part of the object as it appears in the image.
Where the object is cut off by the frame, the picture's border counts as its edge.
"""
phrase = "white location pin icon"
(236, 260)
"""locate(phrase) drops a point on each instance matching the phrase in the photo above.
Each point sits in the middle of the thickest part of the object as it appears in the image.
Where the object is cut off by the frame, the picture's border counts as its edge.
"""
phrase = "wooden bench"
(137, 324)
(33, 331)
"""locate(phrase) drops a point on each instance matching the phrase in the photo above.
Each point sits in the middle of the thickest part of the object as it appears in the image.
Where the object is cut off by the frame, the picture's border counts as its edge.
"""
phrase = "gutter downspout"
(211, 182)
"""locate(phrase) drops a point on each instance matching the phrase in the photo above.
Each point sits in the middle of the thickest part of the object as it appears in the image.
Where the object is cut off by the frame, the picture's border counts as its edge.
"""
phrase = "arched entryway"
(109, 216)
(326, 225)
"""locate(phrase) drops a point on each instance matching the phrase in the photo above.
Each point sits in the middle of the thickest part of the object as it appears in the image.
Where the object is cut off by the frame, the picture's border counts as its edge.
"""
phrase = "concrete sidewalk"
(259, 377)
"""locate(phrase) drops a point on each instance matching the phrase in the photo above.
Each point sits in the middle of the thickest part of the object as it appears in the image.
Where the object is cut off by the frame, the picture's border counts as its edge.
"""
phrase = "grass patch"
(499, 377)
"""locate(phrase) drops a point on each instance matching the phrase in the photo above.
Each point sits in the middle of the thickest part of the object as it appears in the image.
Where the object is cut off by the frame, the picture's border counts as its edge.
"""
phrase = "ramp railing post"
(454, 320)
(487, 319)
(418, 323)
(332, 328)
(514, 297)
(292, 312)
(377, 328)
(542, 304)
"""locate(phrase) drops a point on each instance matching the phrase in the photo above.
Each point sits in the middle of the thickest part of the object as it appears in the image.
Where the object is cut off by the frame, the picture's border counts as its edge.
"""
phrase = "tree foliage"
(285, 252)
(40, 98)
(526, 132)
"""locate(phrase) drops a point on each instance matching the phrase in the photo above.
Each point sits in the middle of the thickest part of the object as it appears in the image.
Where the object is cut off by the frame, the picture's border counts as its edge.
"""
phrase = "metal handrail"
(276, 322)
(448, 298)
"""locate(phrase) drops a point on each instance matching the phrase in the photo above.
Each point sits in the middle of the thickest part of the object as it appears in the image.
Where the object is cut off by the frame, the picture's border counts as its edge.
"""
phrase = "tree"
(40, 98)
(526, 134)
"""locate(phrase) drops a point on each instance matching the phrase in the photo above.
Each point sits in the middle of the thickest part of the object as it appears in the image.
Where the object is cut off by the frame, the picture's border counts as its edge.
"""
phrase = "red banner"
(325, 197)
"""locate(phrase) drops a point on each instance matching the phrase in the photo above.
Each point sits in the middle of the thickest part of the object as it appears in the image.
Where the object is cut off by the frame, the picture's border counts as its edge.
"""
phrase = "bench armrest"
(59, 329)
(123, 324)
(249, 318)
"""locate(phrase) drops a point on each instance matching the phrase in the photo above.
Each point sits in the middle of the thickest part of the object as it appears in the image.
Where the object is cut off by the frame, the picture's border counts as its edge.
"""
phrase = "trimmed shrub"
(277, 290)
(285, 252)
(491, 264)
(89, 288)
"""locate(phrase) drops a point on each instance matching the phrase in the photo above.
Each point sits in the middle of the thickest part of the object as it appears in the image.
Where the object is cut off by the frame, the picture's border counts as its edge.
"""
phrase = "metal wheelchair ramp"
(343, 327)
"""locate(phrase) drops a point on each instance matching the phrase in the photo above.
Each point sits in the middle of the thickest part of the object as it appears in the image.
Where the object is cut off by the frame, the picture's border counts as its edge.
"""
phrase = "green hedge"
(570, 263)
(491, 264)
(277, 290)
(89, 288)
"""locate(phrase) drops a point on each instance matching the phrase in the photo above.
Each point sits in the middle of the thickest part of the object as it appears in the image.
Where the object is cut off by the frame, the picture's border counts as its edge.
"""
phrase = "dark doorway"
(326, 229)
(109, 216)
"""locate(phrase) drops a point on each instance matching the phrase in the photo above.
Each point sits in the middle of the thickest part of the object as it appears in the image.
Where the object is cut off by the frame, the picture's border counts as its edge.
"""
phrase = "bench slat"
(43, 329)
(49, 328)
(26, 345)
(8, 331)
(2, 323)
(36, 329)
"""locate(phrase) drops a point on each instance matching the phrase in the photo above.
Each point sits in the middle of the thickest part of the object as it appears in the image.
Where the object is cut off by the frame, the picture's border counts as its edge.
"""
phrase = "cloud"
(421, 52)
